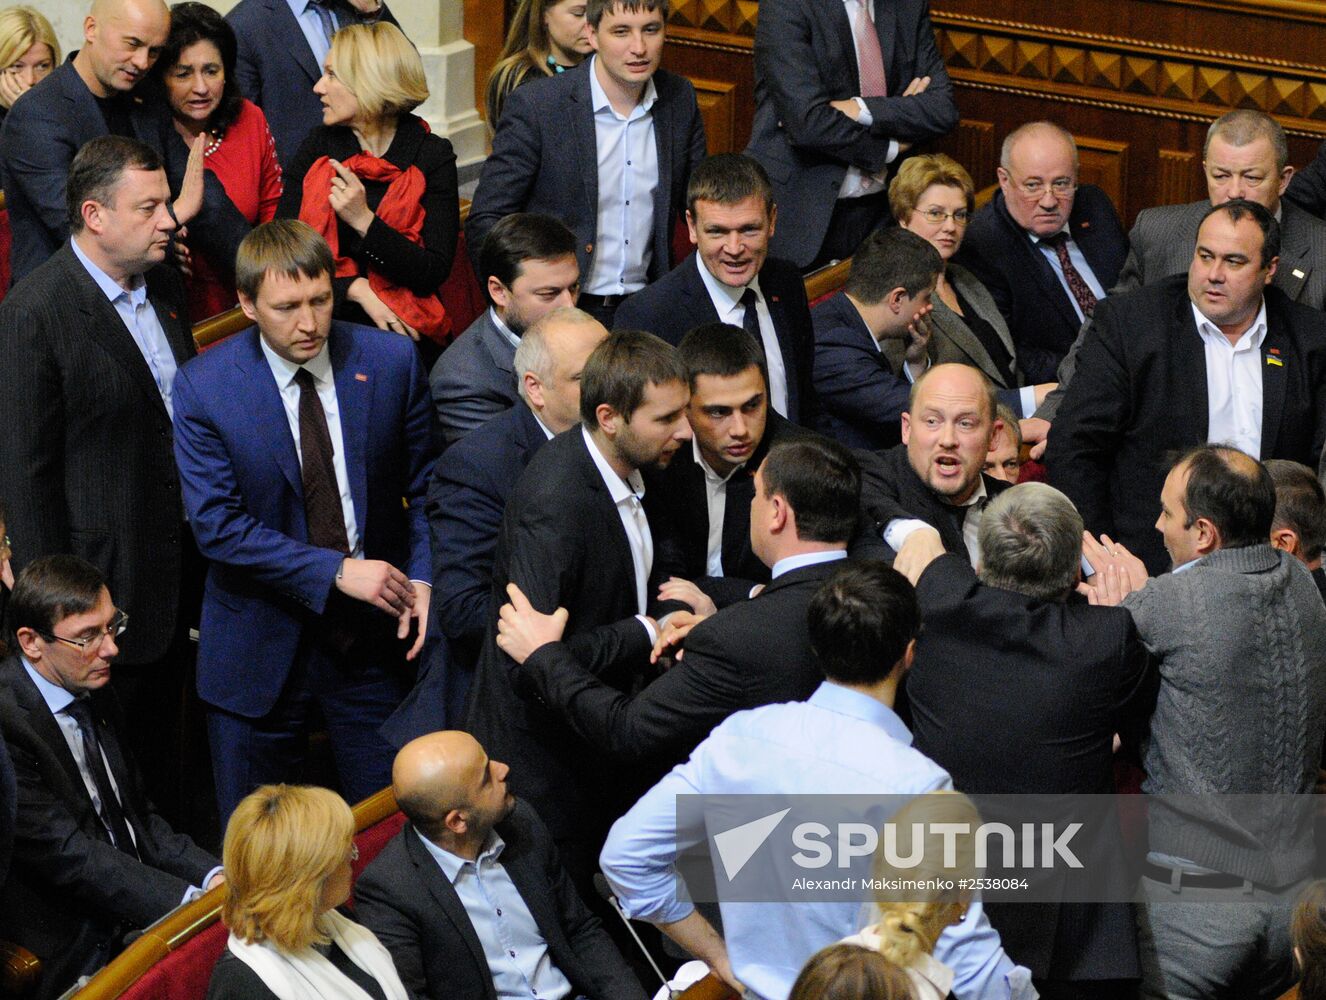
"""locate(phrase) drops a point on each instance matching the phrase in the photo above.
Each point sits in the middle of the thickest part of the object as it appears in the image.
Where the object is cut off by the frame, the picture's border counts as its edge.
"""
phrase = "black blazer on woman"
(422, 269)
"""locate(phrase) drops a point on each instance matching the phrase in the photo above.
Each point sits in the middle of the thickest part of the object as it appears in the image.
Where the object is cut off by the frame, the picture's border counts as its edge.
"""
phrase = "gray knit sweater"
(1241, 710)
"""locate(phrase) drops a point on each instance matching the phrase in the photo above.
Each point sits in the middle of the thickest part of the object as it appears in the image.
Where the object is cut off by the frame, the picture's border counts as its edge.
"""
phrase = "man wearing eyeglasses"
(92, 858)
(1046, 248)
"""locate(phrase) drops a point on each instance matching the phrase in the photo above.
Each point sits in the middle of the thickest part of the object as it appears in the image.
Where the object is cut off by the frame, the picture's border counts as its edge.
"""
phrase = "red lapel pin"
(360, 377)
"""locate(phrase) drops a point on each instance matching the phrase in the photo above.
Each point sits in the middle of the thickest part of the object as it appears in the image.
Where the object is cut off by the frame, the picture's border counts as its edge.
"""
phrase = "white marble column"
(435, 26)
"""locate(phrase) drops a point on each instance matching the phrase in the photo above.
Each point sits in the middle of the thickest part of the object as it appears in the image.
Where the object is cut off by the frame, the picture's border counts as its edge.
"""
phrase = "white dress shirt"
(1079, 262)
(727, 303)
(857, 182)
(897, 530)
(628, 181)
(321, 369)
(1234, 383)
(140, 319)
(626, 496)
(715, 492)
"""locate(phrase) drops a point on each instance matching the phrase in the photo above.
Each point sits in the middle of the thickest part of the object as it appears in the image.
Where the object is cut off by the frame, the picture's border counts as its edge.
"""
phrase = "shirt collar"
(1188, 565)
(502, 328)
(108, 285)
(721, 293)
(298, 6)
(619, 488)
(709, 473)
(806, 559)
(1040, 239)
(453, 864)
(547, 431)
(284, 371)
(980, 494)
(599, 97)
(1252, 338)
(57, 698)
(836, 698)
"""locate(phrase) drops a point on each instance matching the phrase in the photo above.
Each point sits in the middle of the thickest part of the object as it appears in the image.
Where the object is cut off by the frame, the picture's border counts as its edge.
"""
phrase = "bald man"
(93, 94)
(473, 875)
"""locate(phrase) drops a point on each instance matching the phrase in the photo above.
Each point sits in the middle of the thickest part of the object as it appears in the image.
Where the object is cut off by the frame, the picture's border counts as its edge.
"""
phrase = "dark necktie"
(323, 9)
(1086, 298)
(112, 814)
(750, 320)
(322, 497)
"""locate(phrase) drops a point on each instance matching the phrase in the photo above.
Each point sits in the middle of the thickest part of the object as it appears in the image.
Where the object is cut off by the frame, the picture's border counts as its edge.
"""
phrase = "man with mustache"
(1218, 355)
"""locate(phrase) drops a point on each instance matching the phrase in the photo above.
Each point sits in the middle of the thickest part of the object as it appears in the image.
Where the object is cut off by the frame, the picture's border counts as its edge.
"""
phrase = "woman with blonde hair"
(934, 197)
(908, 921)
(1307, 933)
(547, 37)
(28, 53)
(378, 185)
(287, 856)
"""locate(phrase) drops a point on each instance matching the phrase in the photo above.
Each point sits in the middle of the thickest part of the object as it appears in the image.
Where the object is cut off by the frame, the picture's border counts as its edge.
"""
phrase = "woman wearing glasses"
(933, 196)
(287, 856)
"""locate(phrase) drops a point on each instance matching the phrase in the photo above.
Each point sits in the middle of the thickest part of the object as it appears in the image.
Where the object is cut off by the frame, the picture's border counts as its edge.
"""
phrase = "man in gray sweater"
(1240, 634)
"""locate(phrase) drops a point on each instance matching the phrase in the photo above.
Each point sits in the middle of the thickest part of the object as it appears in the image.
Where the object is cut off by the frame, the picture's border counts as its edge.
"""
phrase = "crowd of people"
(1031, 506)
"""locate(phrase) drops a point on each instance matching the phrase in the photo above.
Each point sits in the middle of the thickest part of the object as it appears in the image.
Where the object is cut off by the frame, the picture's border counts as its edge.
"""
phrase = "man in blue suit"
(282, 45)
(297, 441)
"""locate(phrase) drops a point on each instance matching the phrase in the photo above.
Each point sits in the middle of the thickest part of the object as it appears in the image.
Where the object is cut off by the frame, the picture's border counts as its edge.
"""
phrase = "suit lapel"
(961, 337)
(582, 125)
(843, 27)
(264, 404)
(354, 398)
(663, 220)
(532, 884)
(299, 48)
(1275, 348)
(178, 334)
(1291, 277)
(119, 769)
(1190, 366)
(497, 347)
(778, 314)
(886, 27)
(47, 730)
(445, 893)
(609, 518)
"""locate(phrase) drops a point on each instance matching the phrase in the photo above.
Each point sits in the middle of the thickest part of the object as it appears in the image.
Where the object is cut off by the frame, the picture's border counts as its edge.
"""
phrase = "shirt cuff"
(422, 583)
(894, 150)
(897, 530)
(194, 891)
(653, 632)
(1027, 400)
(865, 117)
(907, 370)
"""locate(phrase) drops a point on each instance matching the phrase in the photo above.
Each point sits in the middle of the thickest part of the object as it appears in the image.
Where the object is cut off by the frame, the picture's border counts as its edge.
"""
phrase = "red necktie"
(869, 58)
(1086, 298)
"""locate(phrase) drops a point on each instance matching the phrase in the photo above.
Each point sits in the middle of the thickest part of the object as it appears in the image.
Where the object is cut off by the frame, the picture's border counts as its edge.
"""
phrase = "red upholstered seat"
(184, 973)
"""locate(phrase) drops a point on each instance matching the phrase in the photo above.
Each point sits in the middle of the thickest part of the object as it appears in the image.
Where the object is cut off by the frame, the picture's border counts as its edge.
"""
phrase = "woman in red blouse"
(197, 73)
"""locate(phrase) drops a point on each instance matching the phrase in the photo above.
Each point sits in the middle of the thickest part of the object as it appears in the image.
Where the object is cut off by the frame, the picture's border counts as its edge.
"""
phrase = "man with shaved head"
(474, 873)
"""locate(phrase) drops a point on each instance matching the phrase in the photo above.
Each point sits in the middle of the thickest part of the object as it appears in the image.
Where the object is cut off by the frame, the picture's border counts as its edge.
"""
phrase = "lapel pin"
(1274, 350)
(1274, 361)
(360, 377)
(173, 316)
(1298, 273)
(1084, 224)
(773, 298)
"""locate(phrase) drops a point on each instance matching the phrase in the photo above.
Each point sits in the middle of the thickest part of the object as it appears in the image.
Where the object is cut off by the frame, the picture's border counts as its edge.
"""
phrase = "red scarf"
(402, 209)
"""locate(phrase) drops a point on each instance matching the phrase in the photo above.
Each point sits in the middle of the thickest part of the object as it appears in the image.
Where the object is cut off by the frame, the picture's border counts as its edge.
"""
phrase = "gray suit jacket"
(1162, 242)
(474, 380)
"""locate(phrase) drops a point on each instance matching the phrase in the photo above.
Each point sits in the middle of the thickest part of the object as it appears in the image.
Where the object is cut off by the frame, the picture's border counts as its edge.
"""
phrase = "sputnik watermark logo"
(737, 846)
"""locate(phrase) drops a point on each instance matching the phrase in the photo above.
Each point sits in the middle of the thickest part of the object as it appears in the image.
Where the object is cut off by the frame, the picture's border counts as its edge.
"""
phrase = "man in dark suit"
(607, 148)
(1214, 356)
(467, 494)
(1047, 248)
(840, 93)
(303, 447)
(528, 268)
(1246, 156)
(1300, 516)
(92, 859)
(575, 536)
(730, 278)
(751, 653)
(1036, 720)
(470, 898)
(887, 297)
(933, 478)
(282, 45)
(90, 343)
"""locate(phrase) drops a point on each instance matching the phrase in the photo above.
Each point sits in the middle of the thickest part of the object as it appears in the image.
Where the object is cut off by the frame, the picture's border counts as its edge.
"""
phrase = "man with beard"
(527, 265)
(575, 537)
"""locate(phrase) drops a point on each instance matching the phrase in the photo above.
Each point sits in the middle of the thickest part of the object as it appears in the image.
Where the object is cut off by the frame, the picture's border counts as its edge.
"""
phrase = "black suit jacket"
(1147, 398)
(676, 500)
(276, 68)
(545, 159)
(71, 894)
(751, 653)
(679, 302)
(405, 898)
(474, 379)
(1038, 310)
(890, 488)
(86, 463)
(562, 542)
(861, 397)
(1034, 718)
(805, 58)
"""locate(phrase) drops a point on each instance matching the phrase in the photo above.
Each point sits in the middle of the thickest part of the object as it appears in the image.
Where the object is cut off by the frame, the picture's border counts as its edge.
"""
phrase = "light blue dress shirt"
(516, 951)
(311, 25)
(628, 181)
(140, 319)
(1079, 262)
(839, 742)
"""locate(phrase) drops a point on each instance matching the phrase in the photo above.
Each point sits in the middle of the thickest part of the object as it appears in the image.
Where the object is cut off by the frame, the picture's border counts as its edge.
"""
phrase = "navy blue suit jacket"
(245, 498)
(545, 159)
(1039, 313)
(277, 69)
(679, 302)
(474, 379)
(861, 397)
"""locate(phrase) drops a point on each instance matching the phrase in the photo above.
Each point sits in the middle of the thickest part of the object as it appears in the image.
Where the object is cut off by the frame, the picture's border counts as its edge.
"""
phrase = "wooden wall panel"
(1178, 177)
(718, 108)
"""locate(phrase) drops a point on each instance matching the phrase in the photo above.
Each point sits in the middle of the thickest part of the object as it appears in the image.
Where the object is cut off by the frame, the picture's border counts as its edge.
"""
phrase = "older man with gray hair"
(1017, 688)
